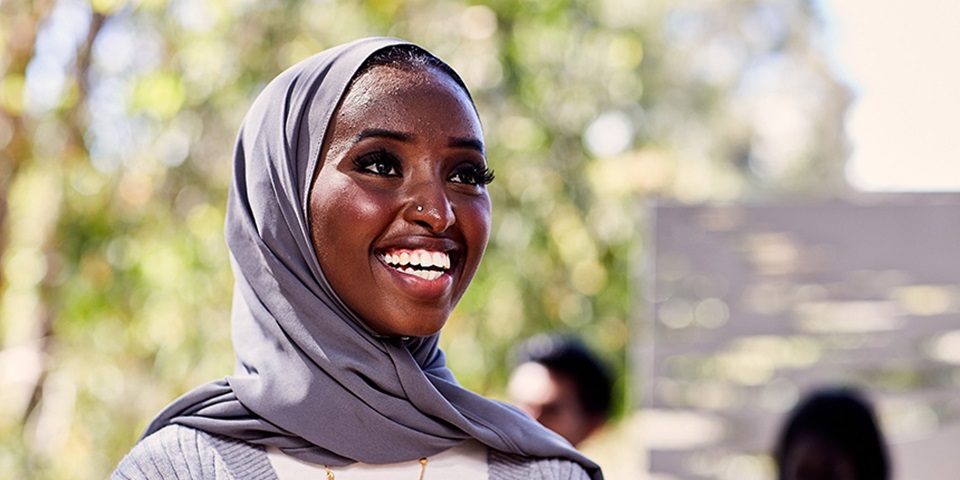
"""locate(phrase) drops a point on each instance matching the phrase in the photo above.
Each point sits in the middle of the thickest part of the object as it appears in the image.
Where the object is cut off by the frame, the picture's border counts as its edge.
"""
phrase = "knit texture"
(177, 452)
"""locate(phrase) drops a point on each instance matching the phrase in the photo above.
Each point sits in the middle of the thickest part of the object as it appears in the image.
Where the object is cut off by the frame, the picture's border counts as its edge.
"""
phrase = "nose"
(430, 208)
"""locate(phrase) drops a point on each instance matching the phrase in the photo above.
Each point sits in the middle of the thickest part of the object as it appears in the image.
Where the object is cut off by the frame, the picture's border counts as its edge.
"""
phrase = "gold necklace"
(423, 468)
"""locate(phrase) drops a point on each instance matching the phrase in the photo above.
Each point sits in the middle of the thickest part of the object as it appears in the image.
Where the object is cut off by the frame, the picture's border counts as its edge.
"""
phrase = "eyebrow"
(471, 143)
(382, 133)
(456, 142)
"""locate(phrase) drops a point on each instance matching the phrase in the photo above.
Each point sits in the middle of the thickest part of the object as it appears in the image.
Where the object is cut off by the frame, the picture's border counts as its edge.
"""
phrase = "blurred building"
(749, 306)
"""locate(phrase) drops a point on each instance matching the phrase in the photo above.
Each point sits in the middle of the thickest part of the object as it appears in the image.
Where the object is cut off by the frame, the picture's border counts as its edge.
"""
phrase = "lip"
(420, 288)
(415, 286)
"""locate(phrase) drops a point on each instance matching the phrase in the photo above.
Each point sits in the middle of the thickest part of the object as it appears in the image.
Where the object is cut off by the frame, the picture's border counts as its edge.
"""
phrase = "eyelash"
(480, 175)
(380, 157)
(477, 175)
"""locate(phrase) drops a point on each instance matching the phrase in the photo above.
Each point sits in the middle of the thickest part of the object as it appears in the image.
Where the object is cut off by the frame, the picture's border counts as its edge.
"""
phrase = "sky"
(903, 61)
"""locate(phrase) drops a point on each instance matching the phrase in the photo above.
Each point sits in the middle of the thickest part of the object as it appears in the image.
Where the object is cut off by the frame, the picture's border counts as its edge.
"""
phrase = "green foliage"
(115, 281)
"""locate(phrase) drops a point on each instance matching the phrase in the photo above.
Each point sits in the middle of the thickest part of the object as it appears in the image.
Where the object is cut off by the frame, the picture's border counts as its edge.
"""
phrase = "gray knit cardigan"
(185, 453)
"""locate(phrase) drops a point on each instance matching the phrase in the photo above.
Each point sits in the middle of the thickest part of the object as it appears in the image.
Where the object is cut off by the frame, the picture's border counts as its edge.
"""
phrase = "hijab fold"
(311, 377)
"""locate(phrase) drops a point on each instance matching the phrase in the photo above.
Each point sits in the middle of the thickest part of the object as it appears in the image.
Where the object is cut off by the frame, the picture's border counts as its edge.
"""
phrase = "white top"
(467, 461)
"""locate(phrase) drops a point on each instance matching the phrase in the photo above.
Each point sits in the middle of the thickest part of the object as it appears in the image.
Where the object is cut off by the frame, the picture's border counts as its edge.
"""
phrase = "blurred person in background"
(357, 216)
(558, 381)
(832, 434)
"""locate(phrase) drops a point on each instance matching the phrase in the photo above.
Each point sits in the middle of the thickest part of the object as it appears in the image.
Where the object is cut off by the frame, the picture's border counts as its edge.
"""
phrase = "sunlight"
(902, 125)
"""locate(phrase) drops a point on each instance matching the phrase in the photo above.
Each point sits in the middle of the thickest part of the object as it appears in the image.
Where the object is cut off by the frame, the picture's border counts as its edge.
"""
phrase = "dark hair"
(568, 356)
(845, 417)
(407, 56)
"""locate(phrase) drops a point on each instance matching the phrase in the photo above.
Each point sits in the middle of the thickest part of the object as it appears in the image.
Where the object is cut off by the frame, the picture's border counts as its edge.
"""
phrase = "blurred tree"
(117, 120)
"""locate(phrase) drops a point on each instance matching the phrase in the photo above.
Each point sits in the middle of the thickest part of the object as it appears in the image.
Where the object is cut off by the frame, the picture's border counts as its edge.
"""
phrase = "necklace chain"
(423, 468)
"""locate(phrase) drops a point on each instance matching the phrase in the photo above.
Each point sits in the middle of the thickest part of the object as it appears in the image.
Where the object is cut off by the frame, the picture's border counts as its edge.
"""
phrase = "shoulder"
(505, 466)
(182, 452)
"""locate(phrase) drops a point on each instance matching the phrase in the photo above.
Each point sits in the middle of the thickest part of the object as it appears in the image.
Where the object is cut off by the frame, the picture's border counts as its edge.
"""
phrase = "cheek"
(335, 194)
(475, 218)
(343, 217)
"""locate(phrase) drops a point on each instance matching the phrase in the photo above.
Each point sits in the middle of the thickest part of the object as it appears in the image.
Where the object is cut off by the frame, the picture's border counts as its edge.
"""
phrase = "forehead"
(408, 93)
(391, 78)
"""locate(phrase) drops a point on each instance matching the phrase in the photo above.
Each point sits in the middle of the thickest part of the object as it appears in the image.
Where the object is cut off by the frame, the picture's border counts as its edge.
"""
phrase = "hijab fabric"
(311, 377)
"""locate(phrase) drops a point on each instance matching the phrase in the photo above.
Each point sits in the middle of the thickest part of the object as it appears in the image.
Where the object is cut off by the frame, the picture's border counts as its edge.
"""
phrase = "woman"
(357, 216)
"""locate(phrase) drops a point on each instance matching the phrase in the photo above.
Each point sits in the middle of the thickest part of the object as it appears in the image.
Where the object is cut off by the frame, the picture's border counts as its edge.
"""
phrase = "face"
(552, 400)
(812, 457)
(399, 211)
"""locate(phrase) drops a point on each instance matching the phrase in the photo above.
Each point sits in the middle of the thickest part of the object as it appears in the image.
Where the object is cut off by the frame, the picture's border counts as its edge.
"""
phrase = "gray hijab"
(311, 378)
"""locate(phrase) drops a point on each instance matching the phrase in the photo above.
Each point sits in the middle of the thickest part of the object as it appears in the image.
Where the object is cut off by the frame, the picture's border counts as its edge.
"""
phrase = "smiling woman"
(357, 217)
(403, 182)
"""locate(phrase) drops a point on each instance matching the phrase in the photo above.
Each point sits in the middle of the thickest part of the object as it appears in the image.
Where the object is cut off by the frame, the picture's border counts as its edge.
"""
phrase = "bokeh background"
(118, 117)
(751, 306)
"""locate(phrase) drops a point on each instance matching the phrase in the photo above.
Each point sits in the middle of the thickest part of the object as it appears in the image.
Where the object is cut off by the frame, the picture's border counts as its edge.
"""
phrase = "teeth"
(441, 260)
(425, 259)
(424, 274)
(405, 261)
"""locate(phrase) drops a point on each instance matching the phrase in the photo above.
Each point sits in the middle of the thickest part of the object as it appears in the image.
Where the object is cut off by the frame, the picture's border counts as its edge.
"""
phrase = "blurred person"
(357, 216)
(832, 434)
(561, 384)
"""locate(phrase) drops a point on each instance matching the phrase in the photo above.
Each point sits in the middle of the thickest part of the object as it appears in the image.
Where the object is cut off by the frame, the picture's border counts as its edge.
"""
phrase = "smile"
(425, 264)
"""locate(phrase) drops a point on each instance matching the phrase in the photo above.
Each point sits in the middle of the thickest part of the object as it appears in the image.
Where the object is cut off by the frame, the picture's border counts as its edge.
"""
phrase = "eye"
(477, 175)
(378, 163)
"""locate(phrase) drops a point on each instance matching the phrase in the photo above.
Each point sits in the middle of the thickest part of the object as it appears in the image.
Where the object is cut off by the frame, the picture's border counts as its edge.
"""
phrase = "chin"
(414, 324)
(418, 322)
(426, 331)
(421, 329)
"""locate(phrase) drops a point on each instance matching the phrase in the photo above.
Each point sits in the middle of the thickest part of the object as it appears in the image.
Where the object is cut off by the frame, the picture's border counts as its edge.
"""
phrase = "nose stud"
(419, 208)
